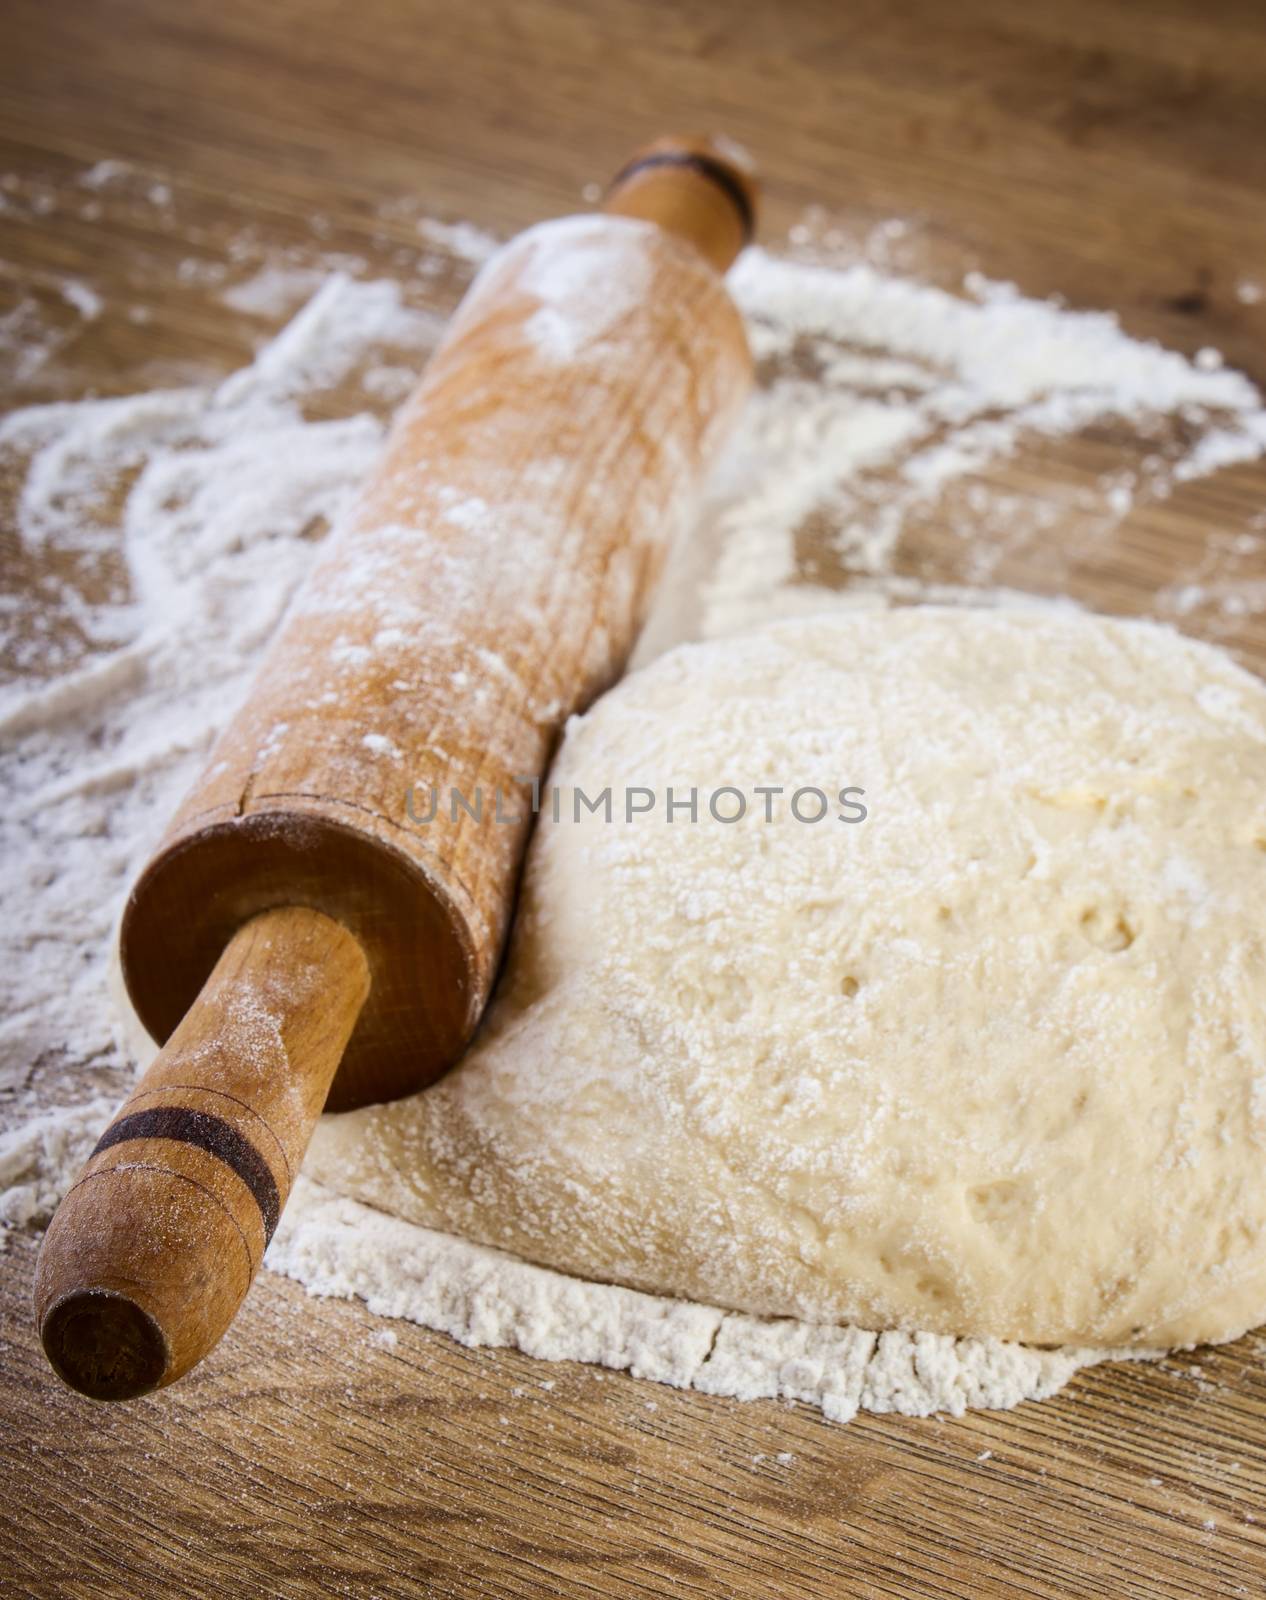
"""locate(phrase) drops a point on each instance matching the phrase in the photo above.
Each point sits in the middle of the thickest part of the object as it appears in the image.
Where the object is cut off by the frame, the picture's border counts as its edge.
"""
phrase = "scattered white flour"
(169, 531)
(274, 290)
(883, 395)
(468, 243)
(485, 1297)
(157, 538)
(103, 173)
(40, 1155)
(86, 301)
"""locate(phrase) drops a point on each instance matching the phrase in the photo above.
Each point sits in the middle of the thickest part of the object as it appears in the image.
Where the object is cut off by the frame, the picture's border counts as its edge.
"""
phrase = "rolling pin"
(322, 922)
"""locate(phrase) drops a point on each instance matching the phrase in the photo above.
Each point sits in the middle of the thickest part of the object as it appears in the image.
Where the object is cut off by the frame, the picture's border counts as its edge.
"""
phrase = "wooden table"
(1108, 151)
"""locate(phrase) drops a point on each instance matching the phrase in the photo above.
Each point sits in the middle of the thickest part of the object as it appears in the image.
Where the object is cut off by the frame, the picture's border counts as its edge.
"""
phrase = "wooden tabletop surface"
(1107, 151)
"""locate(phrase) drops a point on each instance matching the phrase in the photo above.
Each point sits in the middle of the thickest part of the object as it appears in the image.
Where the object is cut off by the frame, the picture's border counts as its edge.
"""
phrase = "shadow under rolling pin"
(302, 938)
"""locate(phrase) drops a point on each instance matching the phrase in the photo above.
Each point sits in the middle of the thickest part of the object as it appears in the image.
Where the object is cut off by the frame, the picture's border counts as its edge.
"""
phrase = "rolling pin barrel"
(490, 582)
(322, 922)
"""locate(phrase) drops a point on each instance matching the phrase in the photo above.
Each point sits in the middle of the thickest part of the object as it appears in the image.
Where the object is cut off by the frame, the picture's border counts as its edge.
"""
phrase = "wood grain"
(305, 1459)
(1099, 149)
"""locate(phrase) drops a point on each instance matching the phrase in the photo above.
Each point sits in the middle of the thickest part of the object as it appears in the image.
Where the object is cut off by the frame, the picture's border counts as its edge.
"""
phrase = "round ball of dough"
(991, 1061)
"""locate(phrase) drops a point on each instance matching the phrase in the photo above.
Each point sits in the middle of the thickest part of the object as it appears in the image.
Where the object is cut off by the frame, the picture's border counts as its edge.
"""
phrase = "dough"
(990, 1062)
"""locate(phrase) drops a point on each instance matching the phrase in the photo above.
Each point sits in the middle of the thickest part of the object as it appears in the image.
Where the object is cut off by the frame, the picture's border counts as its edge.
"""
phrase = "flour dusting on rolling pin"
(295, 929)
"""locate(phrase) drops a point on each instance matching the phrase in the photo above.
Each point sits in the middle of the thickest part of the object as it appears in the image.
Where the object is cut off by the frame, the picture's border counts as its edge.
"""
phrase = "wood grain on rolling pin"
(490, 583)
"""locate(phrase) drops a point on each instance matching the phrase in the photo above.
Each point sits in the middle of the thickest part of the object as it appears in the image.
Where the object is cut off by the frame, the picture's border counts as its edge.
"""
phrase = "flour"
(485, 1297)
(159, 537)
(466, 242)
(194, 510)
(273, 290)
(884, 396)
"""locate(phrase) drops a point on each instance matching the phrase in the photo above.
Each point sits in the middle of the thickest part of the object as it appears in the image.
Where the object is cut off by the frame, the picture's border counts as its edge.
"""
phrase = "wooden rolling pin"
(307, 934)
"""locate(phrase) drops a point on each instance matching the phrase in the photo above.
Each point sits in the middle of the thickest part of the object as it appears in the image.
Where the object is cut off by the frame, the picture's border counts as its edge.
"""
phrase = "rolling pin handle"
(150, 1254)
(701, 189)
